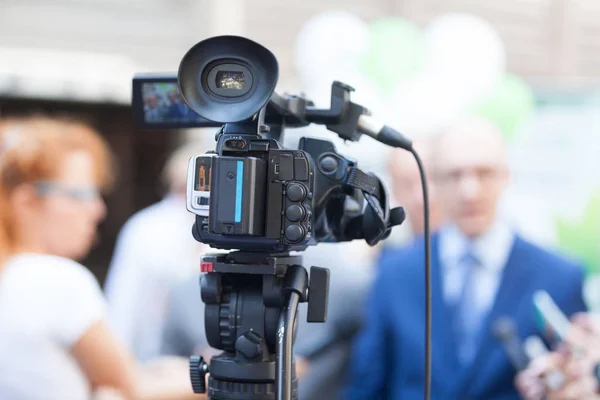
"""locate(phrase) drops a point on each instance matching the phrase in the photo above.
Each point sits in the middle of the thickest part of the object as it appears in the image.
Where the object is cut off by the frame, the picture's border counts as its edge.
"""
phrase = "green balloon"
(509, 105)
(395, 51)
(580, 238)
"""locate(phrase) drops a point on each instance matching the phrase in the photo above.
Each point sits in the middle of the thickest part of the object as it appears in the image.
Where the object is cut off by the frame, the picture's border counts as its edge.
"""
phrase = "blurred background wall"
(545, 39)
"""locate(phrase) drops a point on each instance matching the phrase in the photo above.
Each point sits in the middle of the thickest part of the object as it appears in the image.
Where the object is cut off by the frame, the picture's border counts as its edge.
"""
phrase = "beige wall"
(556, 39)
(544, 38)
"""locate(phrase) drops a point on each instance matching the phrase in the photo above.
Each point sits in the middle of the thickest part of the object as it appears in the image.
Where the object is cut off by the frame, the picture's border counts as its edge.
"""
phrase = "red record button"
(206, 266)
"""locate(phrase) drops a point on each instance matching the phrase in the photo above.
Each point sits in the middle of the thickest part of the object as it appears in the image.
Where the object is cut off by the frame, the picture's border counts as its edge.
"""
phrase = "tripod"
(251, 304)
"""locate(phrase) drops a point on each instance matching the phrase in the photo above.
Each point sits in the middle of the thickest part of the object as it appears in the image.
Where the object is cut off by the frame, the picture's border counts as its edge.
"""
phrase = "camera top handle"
(291, 111)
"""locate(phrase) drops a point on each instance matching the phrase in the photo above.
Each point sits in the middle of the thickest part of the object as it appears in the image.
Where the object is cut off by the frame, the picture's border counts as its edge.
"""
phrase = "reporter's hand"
(584, 337)
(582, 351)
(302, 367)
(530, 382)
(107, 394)
(588, 322)
(579, 382)
(167, 378)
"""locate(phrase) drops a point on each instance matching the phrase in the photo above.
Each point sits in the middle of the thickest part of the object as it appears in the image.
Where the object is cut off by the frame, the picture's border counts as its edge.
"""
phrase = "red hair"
(33, 149)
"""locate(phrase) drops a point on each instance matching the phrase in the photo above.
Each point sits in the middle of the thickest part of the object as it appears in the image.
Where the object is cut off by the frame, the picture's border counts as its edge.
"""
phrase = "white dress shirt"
(155, 249)
(492, 249)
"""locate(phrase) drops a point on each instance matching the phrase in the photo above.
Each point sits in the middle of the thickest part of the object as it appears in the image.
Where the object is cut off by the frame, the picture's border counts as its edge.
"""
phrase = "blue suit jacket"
(388, 355)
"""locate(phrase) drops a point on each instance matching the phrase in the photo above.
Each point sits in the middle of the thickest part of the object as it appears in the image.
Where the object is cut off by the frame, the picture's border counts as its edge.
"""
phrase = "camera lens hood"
(227, 78)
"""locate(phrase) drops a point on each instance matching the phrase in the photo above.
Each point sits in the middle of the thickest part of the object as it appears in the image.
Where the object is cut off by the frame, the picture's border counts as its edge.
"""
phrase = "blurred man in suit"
(481, 270)
(154, 250)
(184, 331)
(152, 109)
(176, 108)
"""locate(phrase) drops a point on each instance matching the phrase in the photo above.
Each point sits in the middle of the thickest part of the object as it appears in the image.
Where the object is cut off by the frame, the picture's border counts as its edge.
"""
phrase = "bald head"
(471, 168)
(470, 142)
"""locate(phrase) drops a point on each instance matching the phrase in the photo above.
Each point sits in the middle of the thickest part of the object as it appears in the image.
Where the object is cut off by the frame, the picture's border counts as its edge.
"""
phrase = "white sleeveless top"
(46, 304)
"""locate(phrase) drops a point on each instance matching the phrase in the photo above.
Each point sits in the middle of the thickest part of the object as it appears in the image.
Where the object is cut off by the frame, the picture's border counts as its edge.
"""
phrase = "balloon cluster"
(419, 80)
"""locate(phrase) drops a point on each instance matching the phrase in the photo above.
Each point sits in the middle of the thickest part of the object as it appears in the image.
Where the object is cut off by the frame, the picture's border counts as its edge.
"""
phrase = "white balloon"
(368, 95)
(467, 52)
(423, 105)
(329, 47)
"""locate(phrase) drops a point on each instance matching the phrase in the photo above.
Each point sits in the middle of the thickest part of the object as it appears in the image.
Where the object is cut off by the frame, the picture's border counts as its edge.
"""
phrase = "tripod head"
(251, 301)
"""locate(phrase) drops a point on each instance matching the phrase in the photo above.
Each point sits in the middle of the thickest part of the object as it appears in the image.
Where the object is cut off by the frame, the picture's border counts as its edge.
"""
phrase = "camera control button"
(286, 169)
(202, 200)
(301, 169)
(294, 233)
(296, 192)
(329, 164)
(259, 146)
(294, 213)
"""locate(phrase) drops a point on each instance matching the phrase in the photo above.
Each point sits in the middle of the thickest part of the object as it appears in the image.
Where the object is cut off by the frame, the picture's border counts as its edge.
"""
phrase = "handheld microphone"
(505, 331)
(550, 317)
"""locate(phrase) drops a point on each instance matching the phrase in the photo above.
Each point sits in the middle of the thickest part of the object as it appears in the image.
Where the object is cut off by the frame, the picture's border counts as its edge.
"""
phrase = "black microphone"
(504, 330)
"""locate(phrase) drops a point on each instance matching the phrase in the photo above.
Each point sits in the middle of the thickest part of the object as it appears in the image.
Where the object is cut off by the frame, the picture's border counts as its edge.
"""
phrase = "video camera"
(264, 197)
(256, 197)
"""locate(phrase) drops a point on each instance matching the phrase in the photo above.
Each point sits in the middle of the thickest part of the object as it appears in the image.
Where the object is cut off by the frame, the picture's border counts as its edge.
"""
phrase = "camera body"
(250, 194)
(253, 195)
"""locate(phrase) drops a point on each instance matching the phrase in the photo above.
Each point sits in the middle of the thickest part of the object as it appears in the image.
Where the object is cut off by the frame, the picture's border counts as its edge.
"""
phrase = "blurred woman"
(54, 341)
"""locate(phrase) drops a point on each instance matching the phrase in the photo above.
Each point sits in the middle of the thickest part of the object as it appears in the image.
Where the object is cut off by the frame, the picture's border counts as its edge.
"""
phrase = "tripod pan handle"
(318, 295)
